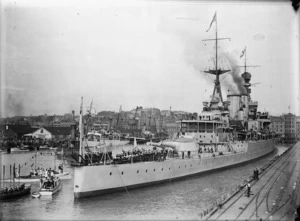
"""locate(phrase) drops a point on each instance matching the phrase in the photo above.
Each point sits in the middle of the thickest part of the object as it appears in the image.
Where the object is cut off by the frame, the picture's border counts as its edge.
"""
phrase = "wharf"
(275, 196)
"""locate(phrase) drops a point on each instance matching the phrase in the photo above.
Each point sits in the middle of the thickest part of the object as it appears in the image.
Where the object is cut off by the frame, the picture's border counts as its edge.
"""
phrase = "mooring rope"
(122, 179)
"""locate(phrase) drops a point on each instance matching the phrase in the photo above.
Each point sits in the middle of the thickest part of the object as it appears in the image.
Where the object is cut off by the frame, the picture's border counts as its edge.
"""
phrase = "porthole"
(185, 165)
(169, 168)
(122, 173)
(137, 171)
(110, 173)
(179, 167)
(154, 170)
(162, 169)
(146, 171)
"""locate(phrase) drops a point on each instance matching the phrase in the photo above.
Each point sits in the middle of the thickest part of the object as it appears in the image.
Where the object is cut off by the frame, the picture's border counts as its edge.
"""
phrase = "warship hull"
(103, 179)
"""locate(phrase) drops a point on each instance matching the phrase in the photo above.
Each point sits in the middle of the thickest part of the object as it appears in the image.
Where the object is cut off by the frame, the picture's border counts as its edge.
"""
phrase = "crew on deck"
(131, 156)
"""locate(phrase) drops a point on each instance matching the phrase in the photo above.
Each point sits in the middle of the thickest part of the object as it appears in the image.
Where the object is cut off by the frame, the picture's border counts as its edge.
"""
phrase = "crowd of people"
(48, 172)
(32, 143)
(6, 190)
(48, 181)
(136, 155)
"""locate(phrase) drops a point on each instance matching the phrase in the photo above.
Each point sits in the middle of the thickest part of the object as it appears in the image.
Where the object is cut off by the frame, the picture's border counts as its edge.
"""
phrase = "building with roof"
(16, 131)
(58, 133)
(290, 126)
(298, 127)
(277, 125)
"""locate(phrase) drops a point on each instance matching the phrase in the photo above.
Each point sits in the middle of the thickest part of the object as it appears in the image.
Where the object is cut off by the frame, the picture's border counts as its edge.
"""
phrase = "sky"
(143, 53)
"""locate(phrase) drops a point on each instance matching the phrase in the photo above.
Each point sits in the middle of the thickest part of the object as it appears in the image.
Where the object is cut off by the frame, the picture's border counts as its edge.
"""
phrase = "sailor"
(248, 189)
(60, 168)
(257, 172)
(254, 174)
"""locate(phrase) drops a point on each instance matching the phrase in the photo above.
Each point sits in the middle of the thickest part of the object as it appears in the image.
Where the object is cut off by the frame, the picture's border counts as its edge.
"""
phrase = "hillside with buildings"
(137, 119)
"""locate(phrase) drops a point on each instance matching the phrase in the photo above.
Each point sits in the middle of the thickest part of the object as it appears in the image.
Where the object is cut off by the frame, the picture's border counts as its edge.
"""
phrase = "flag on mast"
(213, 20)
(243, 52)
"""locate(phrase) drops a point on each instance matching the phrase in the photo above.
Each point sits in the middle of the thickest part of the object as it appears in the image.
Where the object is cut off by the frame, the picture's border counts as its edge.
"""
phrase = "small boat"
(50, 186)
(17, 149)
(29, 178)
(35, 194)
(44, 147)
(17, 192)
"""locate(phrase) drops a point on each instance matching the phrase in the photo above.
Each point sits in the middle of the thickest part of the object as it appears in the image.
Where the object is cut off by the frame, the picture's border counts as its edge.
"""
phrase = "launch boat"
(50, 186)
(225, 134)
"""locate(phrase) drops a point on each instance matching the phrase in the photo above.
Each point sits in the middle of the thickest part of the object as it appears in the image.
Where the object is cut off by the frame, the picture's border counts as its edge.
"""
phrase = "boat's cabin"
(93, 136)
(50, 183)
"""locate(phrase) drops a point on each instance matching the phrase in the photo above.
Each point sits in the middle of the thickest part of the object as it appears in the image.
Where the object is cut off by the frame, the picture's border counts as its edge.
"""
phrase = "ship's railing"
(103, 158)
(127, 157)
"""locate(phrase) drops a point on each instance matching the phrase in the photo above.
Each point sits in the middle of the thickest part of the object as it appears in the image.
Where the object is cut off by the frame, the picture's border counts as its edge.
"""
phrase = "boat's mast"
(216, 68)
(217, 71)
(80, 130)
(245, 59)
(34, 160)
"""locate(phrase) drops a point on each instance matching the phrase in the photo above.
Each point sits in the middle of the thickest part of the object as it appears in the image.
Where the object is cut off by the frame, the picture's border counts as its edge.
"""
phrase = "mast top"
(217, 93)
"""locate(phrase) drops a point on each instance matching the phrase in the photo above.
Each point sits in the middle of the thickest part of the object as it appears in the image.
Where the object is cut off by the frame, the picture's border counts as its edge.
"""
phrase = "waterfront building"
(16, 131)
(58, 133)
(171, 126)
(290, 126)
(298, 127)
(277, 125)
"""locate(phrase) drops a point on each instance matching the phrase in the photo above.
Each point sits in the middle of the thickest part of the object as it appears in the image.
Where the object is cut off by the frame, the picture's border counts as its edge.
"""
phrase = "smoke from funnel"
(235, 87)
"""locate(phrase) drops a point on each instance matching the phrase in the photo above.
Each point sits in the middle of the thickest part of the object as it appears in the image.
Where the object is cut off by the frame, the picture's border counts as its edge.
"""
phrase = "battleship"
(224, 134)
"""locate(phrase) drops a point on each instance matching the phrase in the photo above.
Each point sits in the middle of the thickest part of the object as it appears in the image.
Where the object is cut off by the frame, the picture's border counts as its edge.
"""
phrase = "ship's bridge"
(199, 126)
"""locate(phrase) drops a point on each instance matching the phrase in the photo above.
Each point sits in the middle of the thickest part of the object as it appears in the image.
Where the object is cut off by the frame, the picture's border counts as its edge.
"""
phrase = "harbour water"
(182, 199)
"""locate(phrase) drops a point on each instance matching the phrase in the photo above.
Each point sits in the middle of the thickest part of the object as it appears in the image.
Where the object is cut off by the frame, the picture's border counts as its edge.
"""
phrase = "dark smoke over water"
(235, 87)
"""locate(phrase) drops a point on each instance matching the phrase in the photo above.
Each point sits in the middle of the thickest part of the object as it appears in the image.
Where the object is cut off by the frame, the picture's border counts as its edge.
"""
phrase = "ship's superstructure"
(226, 133)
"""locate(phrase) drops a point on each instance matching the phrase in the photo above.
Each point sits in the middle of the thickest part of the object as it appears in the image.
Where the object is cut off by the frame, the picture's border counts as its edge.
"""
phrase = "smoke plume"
(235, 86)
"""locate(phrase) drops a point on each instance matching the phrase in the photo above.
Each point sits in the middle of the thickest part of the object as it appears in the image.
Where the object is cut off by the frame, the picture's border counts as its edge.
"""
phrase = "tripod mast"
(217, 71)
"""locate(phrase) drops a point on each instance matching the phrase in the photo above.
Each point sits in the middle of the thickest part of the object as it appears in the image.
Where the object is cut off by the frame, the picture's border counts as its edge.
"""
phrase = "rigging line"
(224, 78)
(122, 179)
(211, 78)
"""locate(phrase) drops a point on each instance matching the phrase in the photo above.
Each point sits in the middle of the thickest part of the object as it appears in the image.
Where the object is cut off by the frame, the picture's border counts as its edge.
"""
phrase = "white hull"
(50, 192)
(15, 149)
(97, 180)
